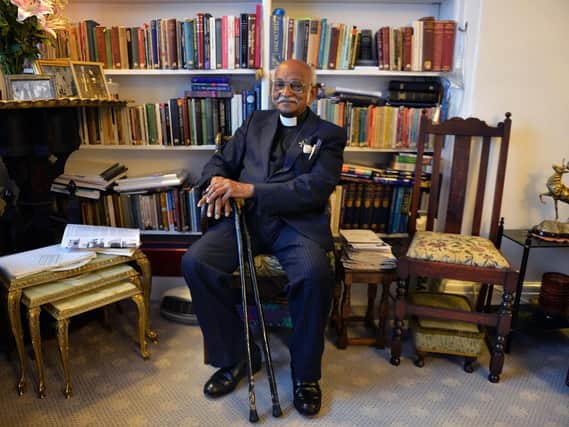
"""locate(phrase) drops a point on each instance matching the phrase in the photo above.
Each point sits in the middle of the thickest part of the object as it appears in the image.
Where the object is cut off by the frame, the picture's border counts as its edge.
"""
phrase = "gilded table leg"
(14, 298)
(139, 301)
(146, 270)
(63, 341)
(34, 321)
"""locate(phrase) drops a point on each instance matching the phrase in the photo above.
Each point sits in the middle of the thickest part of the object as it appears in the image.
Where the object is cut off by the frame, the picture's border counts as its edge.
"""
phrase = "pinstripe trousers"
(207, 267)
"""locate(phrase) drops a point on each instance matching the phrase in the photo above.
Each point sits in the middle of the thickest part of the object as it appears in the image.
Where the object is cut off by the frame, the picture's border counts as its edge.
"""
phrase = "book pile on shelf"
(375, 199)
(425, 45)
(376, 126)
(407, 162)
(90, 180)
(426, 93)
(186, 120)
(203, 42)
(364, 250)
(151, 182)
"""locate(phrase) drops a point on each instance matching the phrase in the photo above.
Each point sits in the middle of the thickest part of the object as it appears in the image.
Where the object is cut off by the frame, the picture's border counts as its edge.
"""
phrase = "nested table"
(13, 290)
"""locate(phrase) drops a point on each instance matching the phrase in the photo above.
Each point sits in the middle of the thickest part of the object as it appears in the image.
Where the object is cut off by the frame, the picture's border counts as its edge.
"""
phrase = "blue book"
(277, 37)
(154, 34)
(249, 103)
(217, 79)
(323, 32)
(188, 26)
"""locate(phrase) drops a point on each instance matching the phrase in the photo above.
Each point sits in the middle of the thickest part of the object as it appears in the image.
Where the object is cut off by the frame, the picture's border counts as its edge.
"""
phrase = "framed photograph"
(62, 73)
(90, 80)
(27, 87)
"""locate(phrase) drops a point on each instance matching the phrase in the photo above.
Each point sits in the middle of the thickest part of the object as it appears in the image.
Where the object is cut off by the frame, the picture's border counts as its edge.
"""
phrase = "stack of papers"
(152, 181)
(364, 250)
(49, 258)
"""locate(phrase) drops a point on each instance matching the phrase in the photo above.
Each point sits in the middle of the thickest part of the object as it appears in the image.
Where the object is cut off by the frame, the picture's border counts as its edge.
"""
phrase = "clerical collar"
(293, 121)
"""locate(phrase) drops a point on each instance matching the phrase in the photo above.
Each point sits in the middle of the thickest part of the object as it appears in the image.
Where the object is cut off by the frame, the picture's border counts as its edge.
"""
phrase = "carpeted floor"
(113, 386)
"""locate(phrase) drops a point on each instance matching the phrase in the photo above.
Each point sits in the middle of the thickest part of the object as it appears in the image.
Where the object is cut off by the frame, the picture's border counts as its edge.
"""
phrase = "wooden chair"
(454, 253)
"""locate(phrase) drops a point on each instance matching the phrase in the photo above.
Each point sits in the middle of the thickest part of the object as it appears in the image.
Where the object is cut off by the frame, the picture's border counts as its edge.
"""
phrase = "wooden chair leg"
(502, 330)
(382, 314)
(63, 341)
(34, 324)
(419, 359)
(398, 323)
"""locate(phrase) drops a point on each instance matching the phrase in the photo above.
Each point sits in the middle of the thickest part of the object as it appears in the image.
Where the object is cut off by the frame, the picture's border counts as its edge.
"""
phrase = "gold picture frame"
(65, 85)
(30, 87)
(90, 80)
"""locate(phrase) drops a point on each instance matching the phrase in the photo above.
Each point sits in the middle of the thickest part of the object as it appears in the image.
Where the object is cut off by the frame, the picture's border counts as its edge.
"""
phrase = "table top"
(520, 236)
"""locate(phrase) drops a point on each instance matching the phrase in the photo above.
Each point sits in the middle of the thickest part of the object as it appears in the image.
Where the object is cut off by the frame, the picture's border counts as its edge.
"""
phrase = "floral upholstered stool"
(443, 336)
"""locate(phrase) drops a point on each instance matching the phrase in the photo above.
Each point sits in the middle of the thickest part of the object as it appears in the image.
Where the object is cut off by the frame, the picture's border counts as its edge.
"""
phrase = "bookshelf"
(153, 85)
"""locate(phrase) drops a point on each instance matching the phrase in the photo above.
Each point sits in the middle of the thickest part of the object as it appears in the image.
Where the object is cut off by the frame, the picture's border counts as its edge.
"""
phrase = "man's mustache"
(285, 99)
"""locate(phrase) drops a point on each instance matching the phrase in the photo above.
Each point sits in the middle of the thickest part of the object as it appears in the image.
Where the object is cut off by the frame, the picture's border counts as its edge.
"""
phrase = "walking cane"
(240, 233)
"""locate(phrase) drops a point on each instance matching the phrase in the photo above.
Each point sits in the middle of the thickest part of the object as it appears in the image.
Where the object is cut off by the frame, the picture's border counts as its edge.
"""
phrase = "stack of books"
(88, 182)
(364, 250)
(151, 182)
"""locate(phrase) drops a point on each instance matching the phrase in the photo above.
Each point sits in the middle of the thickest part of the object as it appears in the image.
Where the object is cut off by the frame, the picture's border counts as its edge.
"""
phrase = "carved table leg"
(139, 301)
(14, 298)
(383, 311)
(345, 310)
(371, 295)
(34, 323)
(145, 267)
(502, 330)
(398, 323)
(63, 341)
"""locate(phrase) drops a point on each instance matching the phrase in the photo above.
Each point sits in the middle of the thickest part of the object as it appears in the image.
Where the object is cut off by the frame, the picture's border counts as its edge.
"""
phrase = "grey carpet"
(113, 386)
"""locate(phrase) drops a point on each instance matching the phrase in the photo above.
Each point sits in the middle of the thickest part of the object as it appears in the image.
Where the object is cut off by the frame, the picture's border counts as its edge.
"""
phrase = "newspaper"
(119, 241)
(364, 250)
(49, 258)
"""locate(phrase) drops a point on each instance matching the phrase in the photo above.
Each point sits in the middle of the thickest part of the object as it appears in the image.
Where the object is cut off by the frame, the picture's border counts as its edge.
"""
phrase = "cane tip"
(277, 412)
(253, 416)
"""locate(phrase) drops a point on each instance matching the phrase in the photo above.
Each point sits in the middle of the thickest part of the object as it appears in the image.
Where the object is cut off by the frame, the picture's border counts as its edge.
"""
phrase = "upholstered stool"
(64, 309)
(442, 336)
(37, 296)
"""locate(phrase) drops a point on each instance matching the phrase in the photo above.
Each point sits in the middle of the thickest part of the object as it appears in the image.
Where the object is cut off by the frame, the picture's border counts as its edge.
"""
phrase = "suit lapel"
(306, 131)
(266, 137)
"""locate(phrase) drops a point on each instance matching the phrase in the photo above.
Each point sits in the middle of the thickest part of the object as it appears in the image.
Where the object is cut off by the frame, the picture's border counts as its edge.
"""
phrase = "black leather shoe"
(224, 380)
(307, 397)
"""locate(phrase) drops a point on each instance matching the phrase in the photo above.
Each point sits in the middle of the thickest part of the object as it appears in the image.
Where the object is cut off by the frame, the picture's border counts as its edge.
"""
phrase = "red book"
(385, 46)
(172, 43)
(438, 46)
(141, 48)
(237, 40)
(101, 48)
(407, 47)
(200, 40)
(115, 48)
(224, 53)
(259, 15)
(290, 39)
(334, 35)
(428, 43)
(252, 29)
(449, 36)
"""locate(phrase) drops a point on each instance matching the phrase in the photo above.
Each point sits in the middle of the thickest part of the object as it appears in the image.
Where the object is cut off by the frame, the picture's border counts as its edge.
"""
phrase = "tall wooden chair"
(458, 252)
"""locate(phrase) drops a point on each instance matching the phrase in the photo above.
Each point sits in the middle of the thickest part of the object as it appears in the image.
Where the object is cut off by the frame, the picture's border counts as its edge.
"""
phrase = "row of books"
(427, 45)
(408, 161)
(173, 209)
(322, 44)
(203, 42)
(179, 121)
(376, 126)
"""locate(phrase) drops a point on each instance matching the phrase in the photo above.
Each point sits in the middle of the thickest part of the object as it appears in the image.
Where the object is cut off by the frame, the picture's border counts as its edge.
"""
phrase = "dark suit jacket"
(297, 193)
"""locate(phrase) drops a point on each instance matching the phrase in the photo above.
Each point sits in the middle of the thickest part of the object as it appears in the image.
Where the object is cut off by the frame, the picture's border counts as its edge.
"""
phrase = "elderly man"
(285, 164)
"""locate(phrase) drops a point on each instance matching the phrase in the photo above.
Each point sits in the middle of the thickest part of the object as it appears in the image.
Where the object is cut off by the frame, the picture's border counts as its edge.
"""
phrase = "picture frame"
(29, 87)
(65, 86)
(90, 80)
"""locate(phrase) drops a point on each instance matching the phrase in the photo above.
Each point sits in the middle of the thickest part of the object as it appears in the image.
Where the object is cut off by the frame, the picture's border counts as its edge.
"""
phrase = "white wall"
(522, 66)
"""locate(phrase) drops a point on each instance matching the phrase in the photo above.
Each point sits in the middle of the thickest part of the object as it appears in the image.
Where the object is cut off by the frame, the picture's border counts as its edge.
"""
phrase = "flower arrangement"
(24, 24)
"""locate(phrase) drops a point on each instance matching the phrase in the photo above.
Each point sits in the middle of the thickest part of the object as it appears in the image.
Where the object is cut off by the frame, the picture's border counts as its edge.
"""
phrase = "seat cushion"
(451, 248)
(445, 336)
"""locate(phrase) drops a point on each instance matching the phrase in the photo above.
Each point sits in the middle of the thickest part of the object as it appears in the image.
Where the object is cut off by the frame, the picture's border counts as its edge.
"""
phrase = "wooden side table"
(373, 278)
(13, 289)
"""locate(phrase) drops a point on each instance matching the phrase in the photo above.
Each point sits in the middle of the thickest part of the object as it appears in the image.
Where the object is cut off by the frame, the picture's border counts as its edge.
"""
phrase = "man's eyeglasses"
(295, 85)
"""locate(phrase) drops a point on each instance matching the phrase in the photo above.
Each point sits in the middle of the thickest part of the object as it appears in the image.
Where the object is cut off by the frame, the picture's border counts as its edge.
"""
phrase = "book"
(49, 258)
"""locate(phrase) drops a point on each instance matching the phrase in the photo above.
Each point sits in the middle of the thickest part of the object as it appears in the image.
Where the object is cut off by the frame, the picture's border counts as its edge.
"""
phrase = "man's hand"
(218, 193)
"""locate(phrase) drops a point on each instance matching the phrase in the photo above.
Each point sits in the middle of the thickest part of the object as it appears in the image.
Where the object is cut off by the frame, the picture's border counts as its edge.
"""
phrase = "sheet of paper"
(94, 237)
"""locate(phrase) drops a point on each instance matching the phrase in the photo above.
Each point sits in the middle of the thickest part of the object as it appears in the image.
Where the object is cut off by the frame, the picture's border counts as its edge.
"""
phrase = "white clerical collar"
(288, 121)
